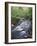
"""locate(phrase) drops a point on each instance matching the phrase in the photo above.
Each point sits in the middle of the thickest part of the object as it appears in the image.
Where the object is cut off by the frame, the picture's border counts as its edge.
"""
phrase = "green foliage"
(21, 12)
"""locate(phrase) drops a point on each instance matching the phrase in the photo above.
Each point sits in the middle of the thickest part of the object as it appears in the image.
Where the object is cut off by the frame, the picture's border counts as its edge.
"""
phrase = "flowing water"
(22, 30)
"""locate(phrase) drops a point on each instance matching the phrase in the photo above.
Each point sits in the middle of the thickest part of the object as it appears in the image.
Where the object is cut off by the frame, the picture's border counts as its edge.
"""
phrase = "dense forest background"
(18, 13)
